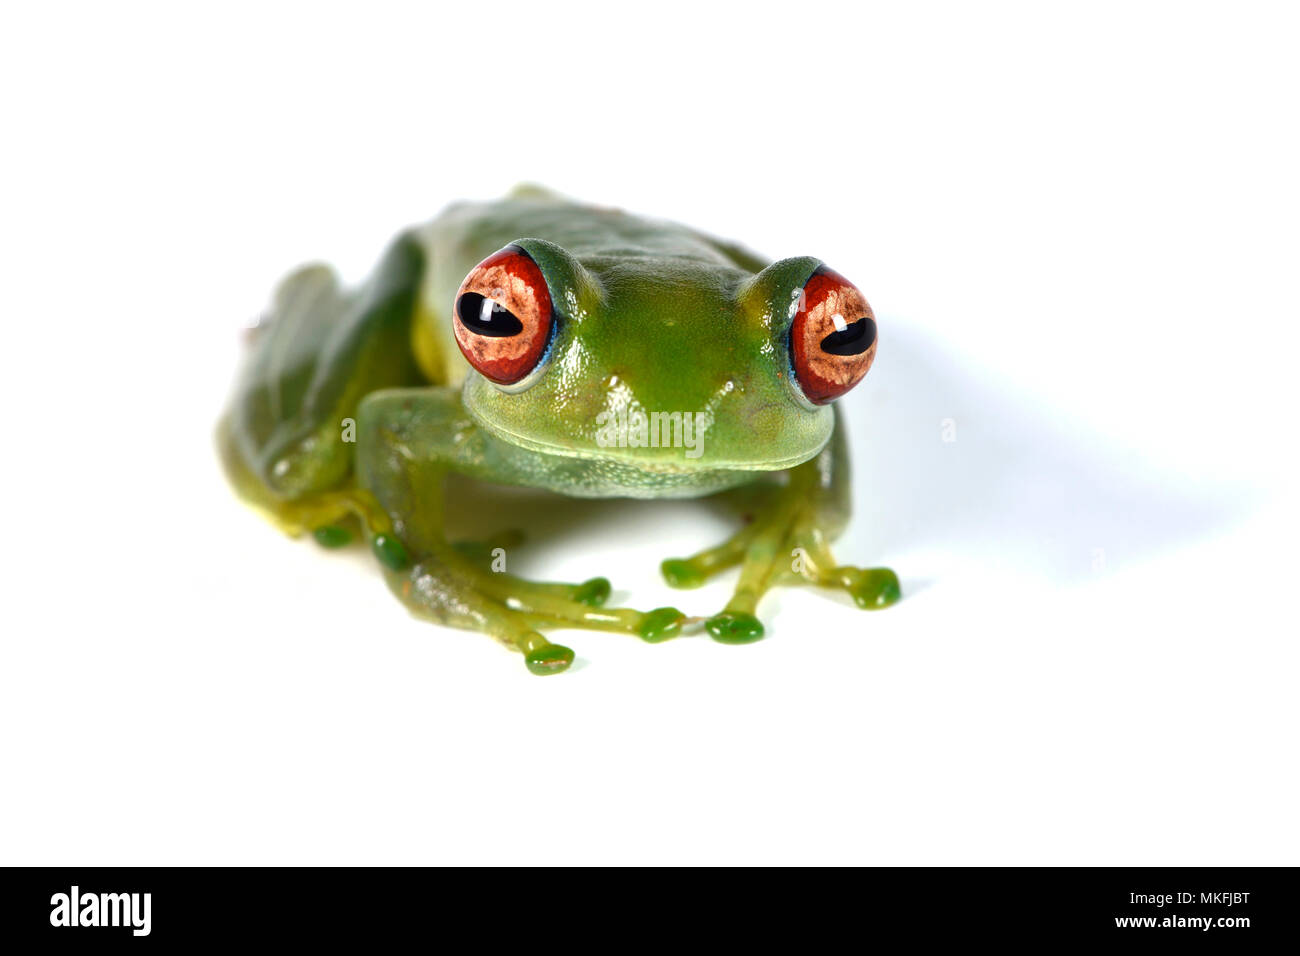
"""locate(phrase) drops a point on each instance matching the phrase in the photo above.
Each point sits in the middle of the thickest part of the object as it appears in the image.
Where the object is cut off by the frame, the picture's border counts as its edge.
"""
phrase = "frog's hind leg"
(409, 440)
(287, 438)
(339, 509)
(788, 542)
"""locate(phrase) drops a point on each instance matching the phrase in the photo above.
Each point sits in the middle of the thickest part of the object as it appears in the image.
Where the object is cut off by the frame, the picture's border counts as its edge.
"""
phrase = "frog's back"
(467, 232)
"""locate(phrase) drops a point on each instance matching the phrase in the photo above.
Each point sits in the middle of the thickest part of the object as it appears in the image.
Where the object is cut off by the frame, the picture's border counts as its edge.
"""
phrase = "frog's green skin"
(357, 405)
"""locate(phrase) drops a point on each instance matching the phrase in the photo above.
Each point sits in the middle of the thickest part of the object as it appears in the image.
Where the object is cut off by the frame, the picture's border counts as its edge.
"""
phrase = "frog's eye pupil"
(853, 339)
(485, 316)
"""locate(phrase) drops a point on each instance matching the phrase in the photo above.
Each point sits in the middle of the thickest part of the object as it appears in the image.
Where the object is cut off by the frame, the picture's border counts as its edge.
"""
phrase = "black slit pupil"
(496, 321)
(854, 340)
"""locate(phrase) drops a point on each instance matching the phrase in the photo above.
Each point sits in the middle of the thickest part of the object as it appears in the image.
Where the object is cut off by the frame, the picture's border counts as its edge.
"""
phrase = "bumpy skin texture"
(356, 406)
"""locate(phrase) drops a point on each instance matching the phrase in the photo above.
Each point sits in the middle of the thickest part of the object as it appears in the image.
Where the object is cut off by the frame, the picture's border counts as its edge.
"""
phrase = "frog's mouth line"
(629, 456)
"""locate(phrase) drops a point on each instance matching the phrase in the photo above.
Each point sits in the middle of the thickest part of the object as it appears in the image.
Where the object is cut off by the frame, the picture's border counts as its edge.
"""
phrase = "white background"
(1078, 227)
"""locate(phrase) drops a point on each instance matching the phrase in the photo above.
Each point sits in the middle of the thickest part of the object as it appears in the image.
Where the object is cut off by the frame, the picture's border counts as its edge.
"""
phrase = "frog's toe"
(332, 536)
(734, 627)
(390, 552)
(660, 624)
(593, 592)
(870, 588)
(682, 573)
(548, 658)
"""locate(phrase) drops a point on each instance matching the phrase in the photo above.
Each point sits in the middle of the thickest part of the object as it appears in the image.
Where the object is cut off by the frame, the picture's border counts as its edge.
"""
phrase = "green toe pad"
(733, 628)
(332, 536)
(877, 588)
(593, 593)
(661, 624)
(549, 659)
(389, 551)
(680, 573)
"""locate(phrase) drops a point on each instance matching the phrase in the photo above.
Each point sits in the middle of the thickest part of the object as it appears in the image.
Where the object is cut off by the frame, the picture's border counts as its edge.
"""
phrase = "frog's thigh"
(285, 438)
(326, 513)
(408, 440)
(788, 541)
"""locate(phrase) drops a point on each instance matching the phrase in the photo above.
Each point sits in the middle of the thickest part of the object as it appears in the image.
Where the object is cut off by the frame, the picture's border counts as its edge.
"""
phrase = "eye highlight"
(503, 316)
(832, 337)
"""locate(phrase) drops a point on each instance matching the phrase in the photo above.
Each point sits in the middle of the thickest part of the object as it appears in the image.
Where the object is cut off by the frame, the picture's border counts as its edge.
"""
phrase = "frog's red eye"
(832, 338)
(502, 316)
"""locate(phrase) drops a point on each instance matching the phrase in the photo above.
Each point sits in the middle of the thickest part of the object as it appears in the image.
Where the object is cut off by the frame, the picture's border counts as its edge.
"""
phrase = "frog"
(538, 341)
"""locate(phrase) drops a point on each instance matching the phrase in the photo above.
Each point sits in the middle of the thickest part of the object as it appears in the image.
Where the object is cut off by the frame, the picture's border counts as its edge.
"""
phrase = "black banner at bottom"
(135, 907)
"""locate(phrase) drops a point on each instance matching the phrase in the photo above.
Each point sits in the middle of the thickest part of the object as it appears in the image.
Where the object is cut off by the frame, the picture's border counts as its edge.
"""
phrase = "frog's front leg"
(408, 440)
(786, 541)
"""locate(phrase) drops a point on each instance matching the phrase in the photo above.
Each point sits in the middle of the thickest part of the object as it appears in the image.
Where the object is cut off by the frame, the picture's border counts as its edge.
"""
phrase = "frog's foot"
(455, 585)
(785, 544)
(333, 518)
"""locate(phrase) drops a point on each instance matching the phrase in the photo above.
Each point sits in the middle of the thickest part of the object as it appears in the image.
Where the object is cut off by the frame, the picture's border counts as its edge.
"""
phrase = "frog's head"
(660, 366)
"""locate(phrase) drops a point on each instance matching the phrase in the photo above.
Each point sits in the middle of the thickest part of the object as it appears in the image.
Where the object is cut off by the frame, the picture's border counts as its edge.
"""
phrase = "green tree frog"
(584, 350)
